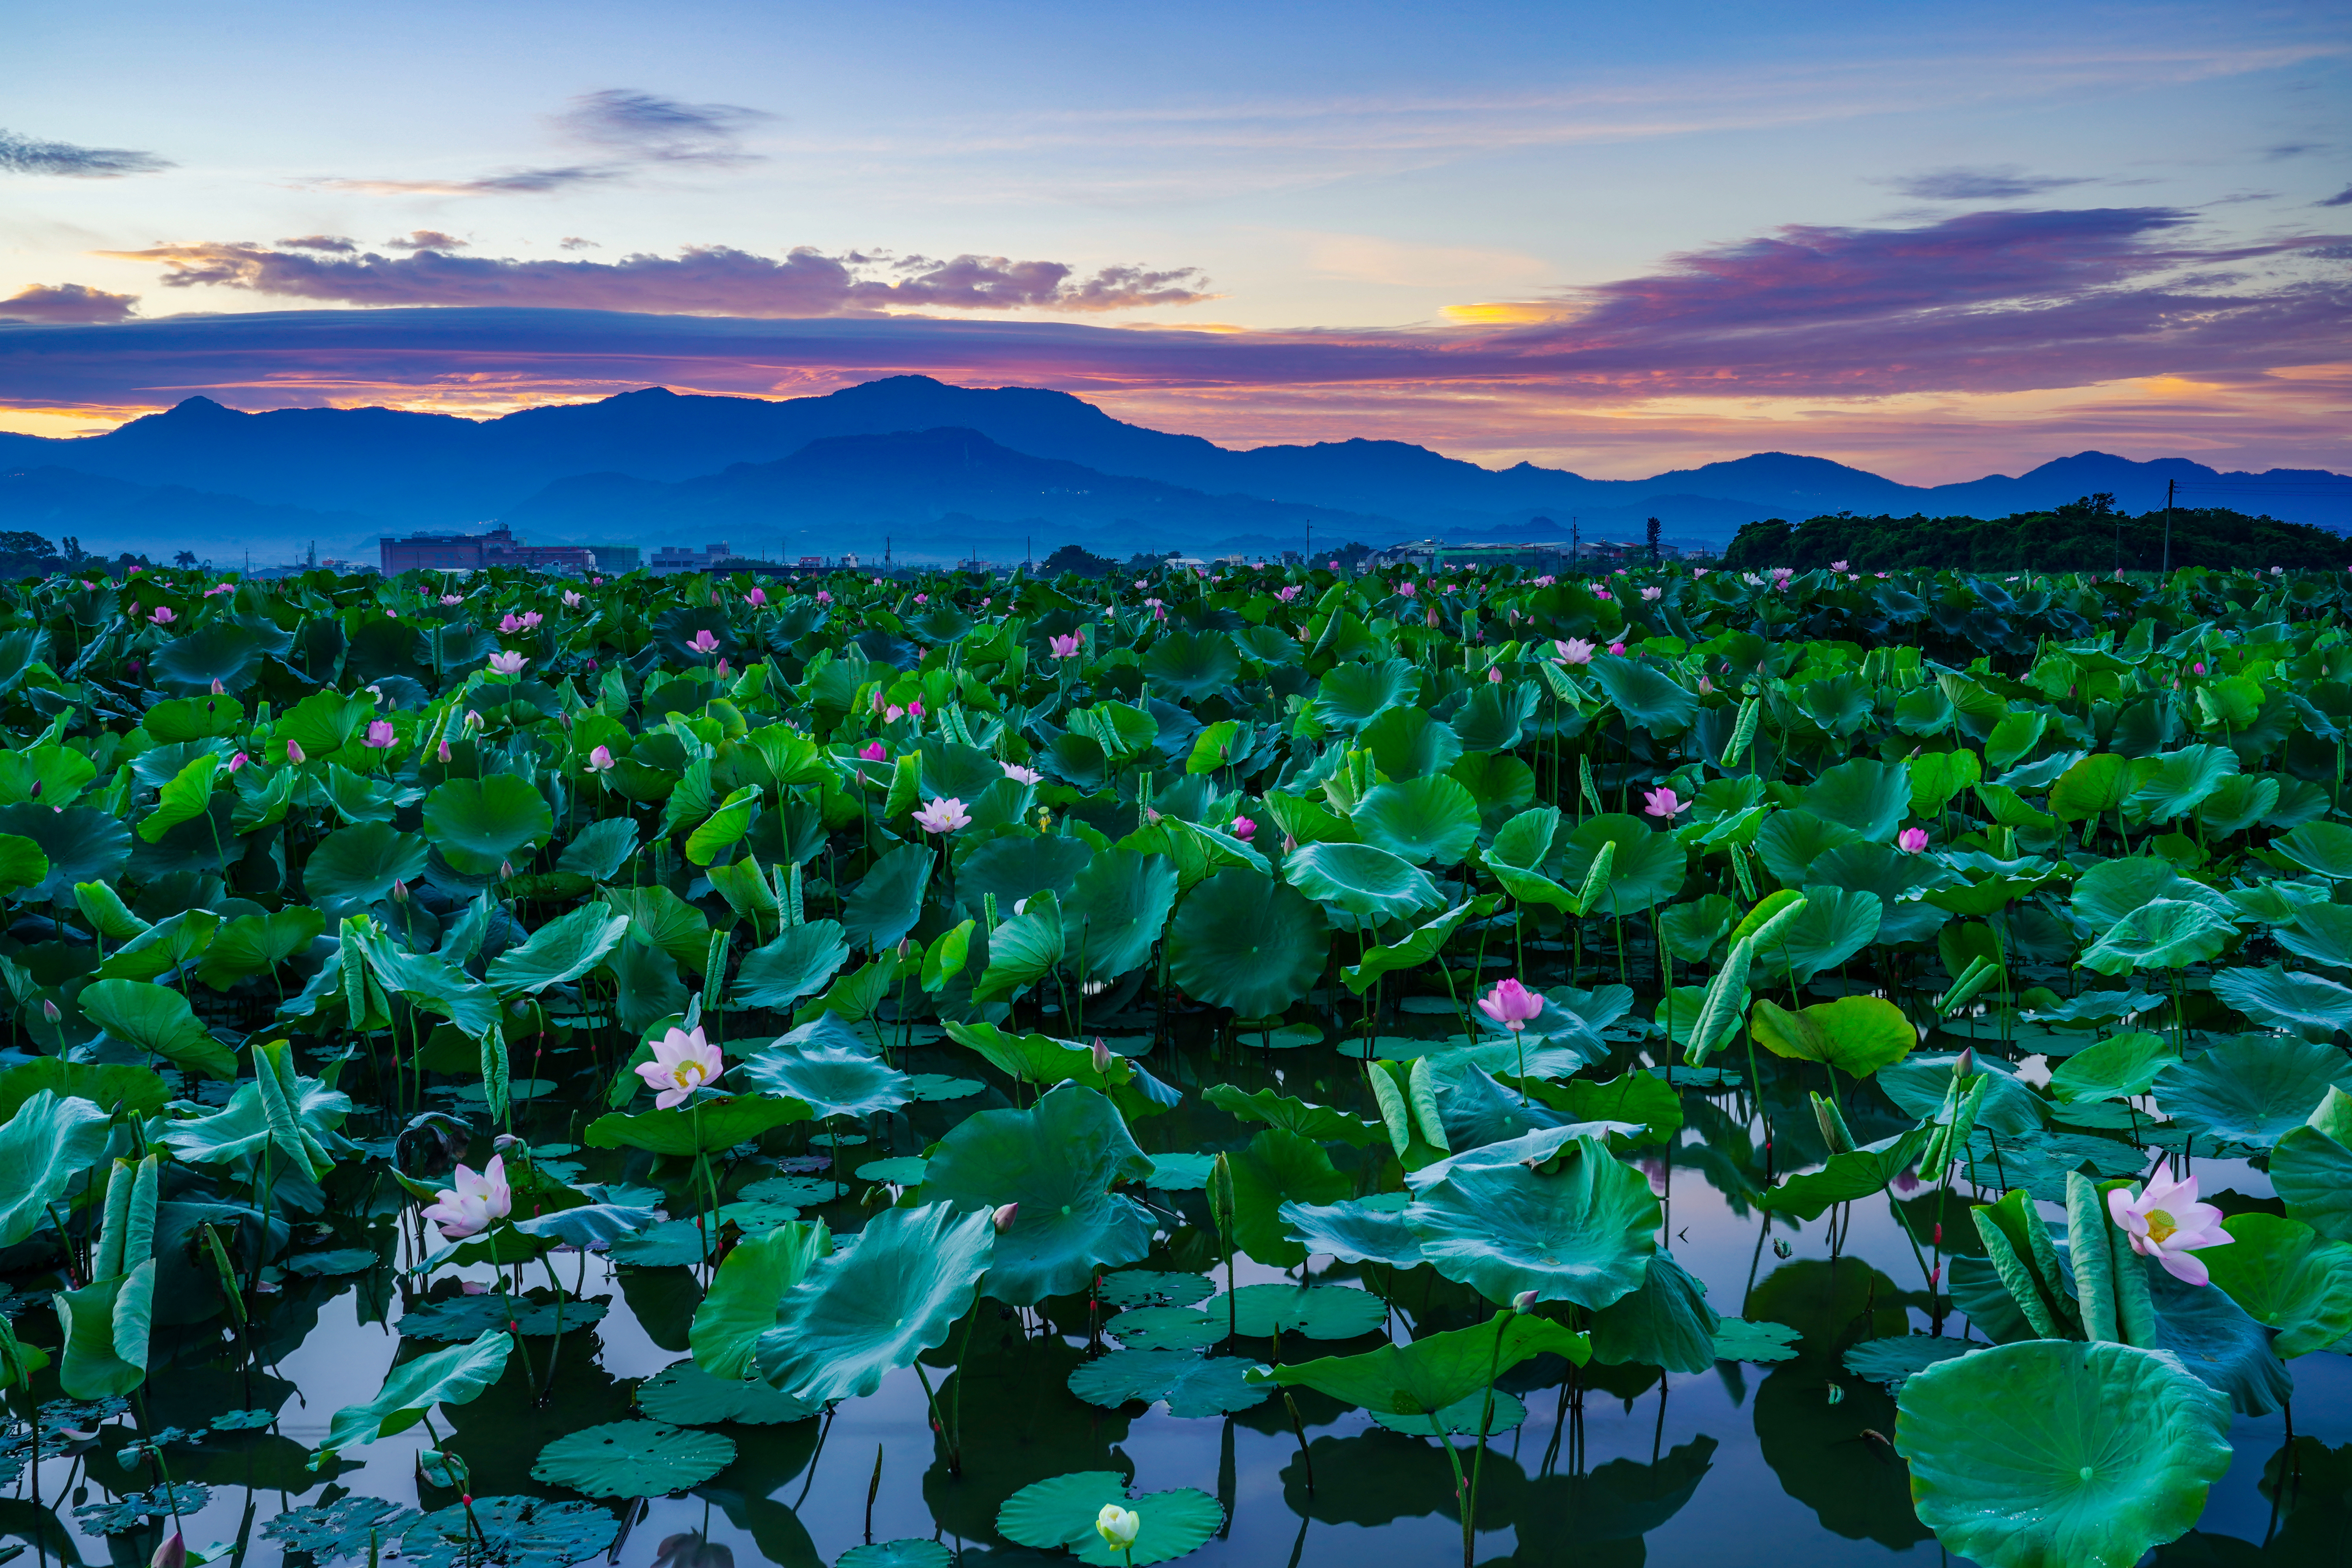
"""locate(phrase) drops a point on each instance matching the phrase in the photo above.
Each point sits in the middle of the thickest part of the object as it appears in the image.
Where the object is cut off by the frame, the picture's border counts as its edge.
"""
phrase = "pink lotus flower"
(1837, 565)
(1575, 651)
(874, 751)
(922, 598)
(1663, 802)
(507, 663)
(914, 706)
(1911, 840)
(443, 752)
(1287, 595)
(453, 599)
(601, 760)
(379, 735)
(823, 597)
(943, 816)
(571, 599)
(1068, 647)
(1510, 1004)
(1545, 580)
(1020, 775)
(1653, 592)
(756, 596)
(893, 713)
(1600, 593)
(293, 751)
(472, 1204)
(218, 588)
(1493, 676)
(1406, 588)
(510, 623)
(704, 642)
(682, 1062)
(164, 617)
(2166, 1223)
(237, 762)
(1245, 829)
(1618, 649)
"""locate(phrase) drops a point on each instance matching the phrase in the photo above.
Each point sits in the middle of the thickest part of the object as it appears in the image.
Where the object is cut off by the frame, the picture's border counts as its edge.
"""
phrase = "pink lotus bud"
(1911, 840)
(294, 751)
(1525, 1302)
(443, 752)
(1245, 829)
(506, 870)
(1003, 1219)
(49, 1011)
(1101, 1055)
(399, 891)
(218, 690)
(1965, 1064)
(237, 762)
(874, 751)
(172, 1554)
(1618, 648)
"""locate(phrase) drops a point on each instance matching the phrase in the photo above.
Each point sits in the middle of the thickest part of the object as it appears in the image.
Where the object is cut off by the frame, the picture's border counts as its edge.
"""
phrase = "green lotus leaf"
(833, 1080)
(2287, 1277)
(801, 962)
(1116, 908)
(2312, 1172)
(1665, 1321)
(1061, 1512)
(560, 952)
(480, 824)
(1646, 870)
(47, 1141)
(1897, 1359)
(909, 1553)
(1057, 1161)
(1790, 841)
(708, 1126)
(538, 1316)
(2324, 847)
(683, 1395)
(1640, 1098)
(454, 1377)
(1316, 1312)
(1316, 1123)
(1353, 1232)
(885, 903)
(633, 1459)
(1351, 696)
(1370, 884)
(257, 944)
(2053, 1452)
(1581, 1233)
(1023, 950)
(108, 1086)
(1191, 664)
(47, 776)
(1244, 941)
(858, 1315)
(1737, 1339)
(2312, 1006)
(1166, 1329)
(1278, 1167)
(2099, 784)
(1856, 1173)
(2113, 888)
(1437, 1370)
(2120, 1068)
(1419, 820)
(83, 845)
(521, 1531)
(669, 1245)
(157, 1020)
(2166, 934)
(1648, 698)
(107, 1326)
(1855, 1035)
(2238, 804)
(2177, 782)
(1868, 797)
(1190, 1385)
(1834, 926)
(1021, 865)
(2255, 1089)
(599, 850)
(1407, 742)
(1151, 1287)
(1420, 945)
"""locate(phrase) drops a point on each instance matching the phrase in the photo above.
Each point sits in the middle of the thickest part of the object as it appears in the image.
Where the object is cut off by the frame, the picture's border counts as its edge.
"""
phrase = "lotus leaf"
(2286, 1277)
(1062, 1512)
(454, 1377)
(1855, 1035)
(1243, 940)
(633, 1459)
(1582, 1232)
(858, 1315)
(1190, 1383)
(2253, 1090)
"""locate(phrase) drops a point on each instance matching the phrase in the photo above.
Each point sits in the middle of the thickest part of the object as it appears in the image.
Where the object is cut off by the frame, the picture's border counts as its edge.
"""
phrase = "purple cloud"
(648, 127)
(24, 155)
(68, 302)
(2005, 183)
(714, 281)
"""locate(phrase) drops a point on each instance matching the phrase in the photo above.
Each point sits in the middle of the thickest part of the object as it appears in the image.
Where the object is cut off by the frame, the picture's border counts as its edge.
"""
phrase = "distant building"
(472, 551)
(672, 558)
(618, 558)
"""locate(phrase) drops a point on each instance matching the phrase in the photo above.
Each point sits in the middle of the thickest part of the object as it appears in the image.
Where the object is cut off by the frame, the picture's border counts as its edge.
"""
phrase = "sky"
(1931, 240)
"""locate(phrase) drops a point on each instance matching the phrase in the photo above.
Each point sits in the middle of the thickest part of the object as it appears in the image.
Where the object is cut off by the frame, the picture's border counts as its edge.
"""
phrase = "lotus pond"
(1276, 1067)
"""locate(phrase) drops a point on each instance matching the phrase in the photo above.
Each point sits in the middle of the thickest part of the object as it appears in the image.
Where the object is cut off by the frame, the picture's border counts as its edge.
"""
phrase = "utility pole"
(1574, 537)
(1309, 556)
(2168, 528)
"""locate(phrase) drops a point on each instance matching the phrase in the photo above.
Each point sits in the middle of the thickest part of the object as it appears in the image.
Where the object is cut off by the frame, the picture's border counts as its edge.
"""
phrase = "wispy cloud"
(2342, 198)
(645, 127)
(513, 182)
(2005, 183)
(67, 302)
(700, 280)
(25, 155)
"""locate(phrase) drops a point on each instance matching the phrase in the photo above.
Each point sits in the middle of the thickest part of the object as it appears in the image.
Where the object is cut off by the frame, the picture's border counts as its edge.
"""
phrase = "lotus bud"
(218, 690)
(444, 751)
(1220, 1192)
(1525, 1302)
(1101, 1055)
(1003, 1219)
(1939, 1235)
(1964, 1066)
(49, 1010)
(36, 789)
(172, 1554)
(504, 1142)
(473, 719)
(237, 762)
(294, 751)
(399, 891)
(506, 870)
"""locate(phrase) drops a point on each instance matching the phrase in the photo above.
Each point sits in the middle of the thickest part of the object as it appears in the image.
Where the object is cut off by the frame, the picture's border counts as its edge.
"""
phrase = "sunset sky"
(1934, 241)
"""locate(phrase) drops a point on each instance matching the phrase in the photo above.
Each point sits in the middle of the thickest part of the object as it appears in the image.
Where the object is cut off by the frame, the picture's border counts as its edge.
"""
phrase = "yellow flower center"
(2160, 1226)
(688, 1075)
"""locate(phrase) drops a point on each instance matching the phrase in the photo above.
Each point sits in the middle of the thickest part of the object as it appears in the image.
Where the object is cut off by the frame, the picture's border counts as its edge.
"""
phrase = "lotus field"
(1267, 1067)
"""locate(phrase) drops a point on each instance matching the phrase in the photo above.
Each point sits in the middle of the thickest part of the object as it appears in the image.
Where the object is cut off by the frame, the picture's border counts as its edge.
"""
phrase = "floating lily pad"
(339, 1529)
(1316, 1311)
(1061, 1512)
(940, 1086)
(633, 1458)
(665, 1246)
(464, 1317)
(1737, 1339)
(1165, 1329)
(1149, 1288)
(909, 1553)
(800, 1192)
(341, 1260)
(906, 1171)
(1897, 1358)
(683, 1395)
(1190, 1384)
(516, 1531)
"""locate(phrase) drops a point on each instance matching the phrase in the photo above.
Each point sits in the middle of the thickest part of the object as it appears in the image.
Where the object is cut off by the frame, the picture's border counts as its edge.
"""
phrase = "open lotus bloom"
(1575, 651)
(1068, 647)
(1511, 1005)
(601, 758)
(507, 663)
(682, 1062)
(1662, 803)
(704, 642)
(472, 1204)
(943, 816)
(2166, 1223)
(1020, 775)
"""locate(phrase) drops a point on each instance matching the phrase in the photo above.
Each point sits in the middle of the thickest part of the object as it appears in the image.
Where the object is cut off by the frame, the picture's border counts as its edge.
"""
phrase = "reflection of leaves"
(1020, 1423)
(128, 1513)
(1381, 1477)
(338, 1529)
(514, 1532)
(1854, 1485)
(1620, 1500)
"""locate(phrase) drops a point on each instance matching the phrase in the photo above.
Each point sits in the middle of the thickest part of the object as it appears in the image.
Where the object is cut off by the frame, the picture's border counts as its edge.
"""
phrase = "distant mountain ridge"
(665, 466)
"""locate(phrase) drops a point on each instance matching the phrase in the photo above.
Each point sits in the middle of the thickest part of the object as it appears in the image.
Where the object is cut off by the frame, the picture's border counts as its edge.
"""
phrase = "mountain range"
(943, 471)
